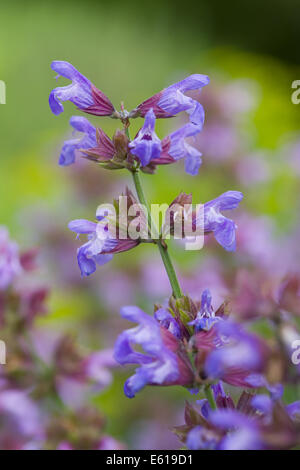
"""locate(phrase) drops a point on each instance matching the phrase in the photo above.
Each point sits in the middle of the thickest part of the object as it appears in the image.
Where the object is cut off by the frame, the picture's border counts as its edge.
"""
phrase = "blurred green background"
(131, 50)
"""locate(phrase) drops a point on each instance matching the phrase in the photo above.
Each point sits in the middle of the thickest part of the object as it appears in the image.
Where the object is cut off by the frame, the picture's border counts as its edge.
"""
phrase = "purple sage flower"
(222, 227)
(238, 356)
(159, 364)
(101, 245)
(146, 146)
(150, 150)
(206, 317)
(91, 253)
(173, 100)
(179, 148)
(88, 140)
(81, 92)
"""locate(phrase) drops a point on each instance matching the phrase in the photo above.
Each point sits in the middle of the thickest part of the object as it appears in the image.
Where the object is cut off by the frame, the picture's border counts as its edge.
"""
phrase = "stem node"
(162, 246)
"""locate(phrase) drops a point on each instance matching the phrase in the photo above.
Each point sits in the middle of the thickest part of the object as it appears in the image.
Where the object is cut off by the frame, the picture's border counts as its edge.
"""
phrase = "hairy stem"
(163, 249)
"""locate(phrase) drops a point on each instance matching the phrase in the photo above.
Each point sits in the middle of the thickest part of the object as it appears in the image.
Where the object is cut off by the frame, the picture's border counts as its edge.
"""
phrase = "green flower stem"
(210, 397)
(163, 249)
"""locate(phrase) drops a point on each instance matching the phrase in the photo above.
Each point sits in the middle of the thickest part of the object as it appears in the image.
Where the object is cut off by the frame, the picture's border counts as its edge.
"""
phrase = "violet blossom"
(173, 100)
(150, 151)
(206, 316)
(101, 244)
(146, 146)
(214, 221)
(238, 354)
(21, 421)
(160, 364)
(80, 92)
(88, 140)
(10, 266)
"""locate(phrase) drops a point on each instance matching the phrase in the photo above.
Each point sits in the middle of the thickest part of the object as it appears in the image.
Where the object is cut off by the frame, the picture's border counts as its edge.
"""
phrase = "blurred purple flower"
(255, 422)
(10, 266)
(199, 438)
(255, 239)
(239, 354)
(64, 445)
(21, 420)
(106, 443)
(109, 443)
(97, 367)
(218, 141)
(252, 169)
(246, 435)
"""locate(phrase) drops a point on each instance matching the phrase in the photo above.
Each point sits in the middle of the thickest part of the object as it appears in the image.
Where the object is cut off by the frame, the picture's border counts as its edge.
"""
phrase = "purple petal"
(262, 403)
(199, 439)
(225, 234)
(103, 259)
(214, 221)
(193, 161)
(82, 226)
(146, 146)
(205, 407)
(82, 124)
(227, 201)
(158, 364)
(164, 317)
(242, 351)
(179, 148)
(293, 409)
(87, 265)
(246, 436)
(192, 82)
(88, 140)
(23, 410)
(78, 92)
(173, 100)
